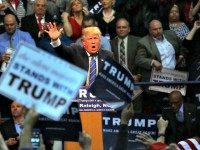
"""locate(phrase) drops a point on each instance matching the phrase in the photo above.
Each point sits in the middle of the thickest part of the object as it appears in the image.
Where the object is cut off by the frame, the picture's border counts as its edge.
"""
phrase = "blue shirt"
(17, 37)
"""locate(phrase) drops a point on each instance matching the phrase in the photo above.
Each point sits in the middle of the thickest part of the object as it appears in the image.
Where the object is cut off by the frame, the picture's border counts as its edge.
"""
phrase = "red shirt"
(76, 28)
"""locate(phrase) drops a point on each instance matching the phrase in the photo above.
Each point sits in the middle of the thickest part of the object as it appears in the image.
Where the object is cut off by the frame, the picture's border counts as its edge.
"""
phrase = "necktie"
(40, 23)
(122, 53)
(92, 70)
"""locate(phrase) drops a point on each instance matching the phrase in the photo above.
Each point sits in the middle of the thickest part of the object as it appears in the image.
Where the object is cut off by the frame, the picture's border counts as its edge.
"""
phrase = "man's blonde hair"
(91, 30)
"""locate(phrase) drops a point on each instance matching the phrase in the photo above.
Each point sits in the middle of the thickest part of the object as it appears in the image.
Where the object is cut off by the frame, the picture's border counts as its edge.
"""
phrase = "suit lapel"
(85, 60)
(130, 45)
(115, 48)
(101, 58)
(174, 121)
(34, 23)
(187, 116)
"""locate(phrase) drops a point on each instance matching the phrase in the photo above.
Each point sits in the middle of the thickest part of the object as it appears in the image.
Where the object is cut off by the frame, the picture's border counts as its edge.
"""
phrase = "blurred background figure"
(175, 24)
(12, 128)
(72, 21)
(12, 37)
(36, 23)
(107, 18)
(16, 7)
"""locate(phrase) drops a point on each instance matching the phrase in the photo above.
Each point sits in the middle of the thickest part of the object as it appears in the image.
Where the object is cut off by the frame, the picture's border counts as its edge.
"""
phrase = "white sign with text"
(36, 78)
(167, 75)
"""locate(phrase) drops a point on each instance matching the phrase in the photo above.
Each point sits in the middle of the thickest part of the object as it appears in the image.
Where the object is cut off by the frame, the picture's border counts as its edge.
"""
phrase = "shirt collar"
(41, 17)
(124, 39)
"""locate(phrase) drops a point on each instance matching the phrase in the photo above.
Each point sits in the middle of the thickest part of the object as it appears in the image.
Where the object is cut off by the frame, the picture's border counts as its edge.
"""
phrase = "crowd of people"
(140, 35)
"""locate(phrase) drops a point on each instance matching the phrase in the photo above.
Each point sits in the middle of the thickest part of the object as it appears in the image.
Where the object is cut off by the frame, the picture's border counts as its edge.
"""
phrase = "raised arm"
(192, 32)
(66, 24)
(25, 137)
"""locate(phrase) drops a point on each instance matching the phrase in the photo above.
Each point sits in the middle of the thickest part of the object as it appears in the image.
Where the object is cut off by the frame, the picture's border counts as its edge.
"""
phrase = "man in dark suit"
(36, 23)
(130, 44)
(11, 128)
(183, 119)
(158, 49)
(81, 56)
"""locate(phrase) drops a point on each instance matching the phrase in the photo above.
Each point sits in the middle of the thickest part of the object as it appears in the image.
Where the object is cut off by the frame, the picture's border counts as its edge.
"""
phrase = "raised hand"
(127, 113)
(145, 138)
(162, 125)
(53, 31)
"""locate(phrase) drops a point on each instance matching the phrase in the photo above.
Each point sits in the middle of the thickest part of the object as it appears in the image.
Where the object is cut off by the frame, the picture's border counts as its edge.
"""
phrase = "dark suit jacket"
(8, 130)
(29, 24)
(147, 51)
(191, 125)
(77, 55)
(131, 51)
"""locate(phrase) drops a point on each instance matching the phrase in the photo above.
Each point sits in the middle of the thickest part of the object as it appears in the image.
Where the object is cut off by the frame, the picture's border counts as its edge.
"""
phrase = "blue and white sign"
(114, 84)
(138, 124)
(36, 78)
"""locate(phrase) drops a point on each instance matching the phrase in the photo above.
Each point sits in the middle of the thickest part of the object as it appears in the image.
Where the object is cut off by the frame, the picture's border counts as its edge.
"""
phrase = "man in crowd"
(12, 36)
(12, 128)
(35, 23)
(183, 119)
(159, 49)
(84, 57)
(124, 46)
(10, 39)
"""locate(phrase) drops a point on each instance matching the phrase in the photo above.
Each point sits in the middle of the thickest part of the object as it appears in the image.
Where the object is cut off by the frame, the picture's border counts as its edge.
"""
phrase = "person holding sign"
(89, 57)
(158, 49)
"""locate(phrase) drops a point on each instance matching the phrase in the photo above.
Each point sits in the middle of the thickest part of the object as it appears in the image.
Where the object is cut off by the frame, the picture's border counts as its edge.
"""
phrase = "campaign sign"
(167, 75)
(88, 102)
(138, 124)
(114, 84)
(66, 129)
(96, 8)
(36, 78)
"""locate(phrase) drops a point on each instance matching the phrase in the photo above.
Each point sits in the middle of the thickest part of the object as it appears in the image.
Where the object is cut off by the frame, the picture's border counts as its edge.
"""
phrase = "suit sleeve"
(141, 58)
(67, 52)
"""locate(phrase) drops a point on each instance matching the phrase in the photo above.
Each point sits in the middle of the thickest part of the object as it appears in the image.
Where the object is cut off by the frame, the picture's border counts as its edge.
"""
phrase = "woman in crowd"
(107, 19)
(72, 21)
(175, 23)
